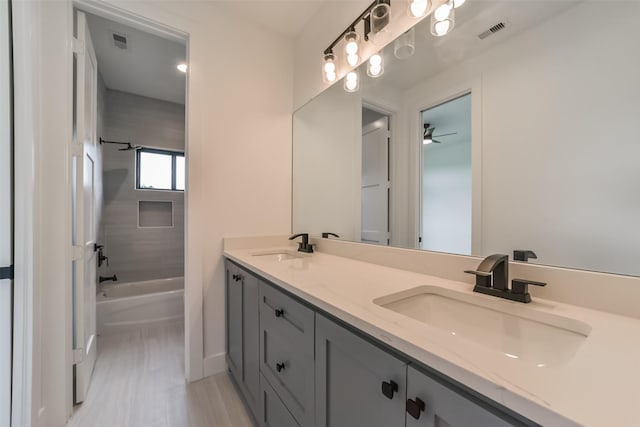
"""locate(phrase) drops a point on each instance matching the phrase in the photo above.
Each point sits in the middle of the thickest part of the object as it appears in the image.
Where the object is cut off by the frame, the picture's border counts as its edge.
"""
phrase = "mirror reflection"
(518, 130)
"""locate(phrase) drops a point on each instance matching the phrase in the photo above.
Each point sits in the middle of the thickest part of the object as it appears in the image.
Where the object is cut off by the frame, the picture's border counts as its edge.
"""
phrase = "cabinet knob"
(280, 367)
(279, 312)
(415, 407)
(237, 277)
(388, 388)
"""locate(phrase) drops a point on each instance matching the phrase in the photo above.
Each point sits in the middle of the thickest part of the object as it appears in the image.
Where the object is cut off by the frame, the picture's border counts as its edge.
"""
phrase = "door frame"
(43, 113)
(428, 100)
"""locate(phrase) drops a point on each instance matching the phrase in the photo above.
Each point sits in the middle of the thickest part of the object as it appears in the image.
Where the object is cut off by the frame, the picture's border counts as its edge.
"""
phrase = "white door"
(375, 182)
(85, 227)
(6, 226)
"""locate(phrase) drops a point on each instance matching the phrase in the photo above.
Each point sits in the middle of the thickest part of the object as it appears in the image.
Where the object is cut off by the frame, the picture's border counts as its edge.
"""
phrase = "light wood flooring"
(139, 381)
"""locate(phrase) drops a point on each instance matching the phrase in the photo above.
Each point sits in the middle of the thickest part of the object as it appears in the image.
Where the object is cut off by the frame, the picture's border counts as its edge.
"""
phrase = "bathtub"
(124, 306)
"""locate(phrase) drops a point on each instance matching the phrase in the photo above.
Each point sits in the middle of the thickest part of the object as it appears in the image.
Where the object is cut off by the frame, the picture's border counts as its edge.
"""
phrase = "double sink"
(512, 330)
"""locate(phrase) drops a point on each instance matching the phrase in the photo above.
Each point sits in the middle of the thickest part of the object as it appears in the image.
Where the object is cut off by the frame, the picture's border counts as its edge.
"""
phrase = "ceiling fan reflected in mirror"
(428, 136)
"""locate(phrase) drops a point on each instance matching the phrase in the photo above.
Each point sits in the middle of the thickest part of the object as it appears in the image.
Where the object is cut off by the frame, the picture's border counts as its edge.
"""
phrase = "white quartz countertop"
(599, 385)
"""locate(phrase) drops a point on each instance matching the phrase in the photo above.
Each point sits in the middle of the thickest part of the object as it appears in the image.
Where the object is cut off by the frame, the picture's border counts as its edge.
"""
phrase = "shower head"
(128, 147)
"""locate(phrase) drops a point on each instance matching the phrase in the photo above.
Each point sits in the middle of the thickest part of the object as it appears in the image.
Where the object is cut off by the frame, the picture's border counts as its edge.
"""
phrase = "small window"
(159, 170)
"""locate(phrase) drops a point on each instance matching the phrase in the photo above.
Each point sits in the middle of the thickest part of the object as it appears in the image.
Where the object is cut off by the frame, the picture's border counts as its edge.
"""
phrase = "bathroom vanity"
(318, 340)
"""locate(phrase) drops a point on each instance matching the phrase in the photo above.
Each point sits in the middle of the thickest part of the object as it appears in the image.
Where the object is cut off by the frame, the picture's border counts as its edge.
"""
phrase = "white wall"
(238, 183)
(327, 164)
(559, 134)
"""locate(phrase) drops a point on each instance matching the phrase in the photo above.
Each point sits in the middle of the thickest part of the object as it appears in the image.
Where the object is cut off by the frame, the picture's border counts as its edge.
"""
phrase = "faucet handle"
(521, 287)
(483, 278)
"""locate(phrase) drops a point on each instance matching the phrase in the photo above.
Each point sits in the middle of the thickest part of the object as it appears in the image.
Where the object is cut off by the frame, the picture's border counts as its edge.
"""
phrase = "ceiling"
(284, 17)
(436, 54)
(147, 67)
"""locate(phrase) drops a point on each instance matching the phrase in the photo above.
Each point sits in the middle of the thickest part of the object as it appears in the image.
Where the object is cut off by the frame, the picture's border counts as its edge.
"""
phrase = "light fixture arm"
(367, 25)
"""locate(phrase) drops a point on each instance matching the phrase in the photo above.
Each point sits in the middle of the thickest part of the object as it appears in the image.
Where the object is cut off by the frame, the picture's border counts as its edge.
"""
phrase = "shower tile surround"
(137, 253)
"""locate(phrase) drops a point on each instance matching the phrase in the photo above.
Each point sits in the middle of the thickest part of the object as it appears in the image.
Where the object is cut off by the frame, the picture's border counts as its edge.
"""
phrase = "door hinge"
(78, 253)
(78, 355)
(6, 273)
(77, 46)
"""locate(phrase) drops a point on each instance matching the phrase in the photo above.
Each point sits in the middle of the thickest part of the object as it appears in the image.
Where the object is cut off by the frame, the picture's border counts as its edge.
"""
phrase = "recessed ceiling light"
(182, 67)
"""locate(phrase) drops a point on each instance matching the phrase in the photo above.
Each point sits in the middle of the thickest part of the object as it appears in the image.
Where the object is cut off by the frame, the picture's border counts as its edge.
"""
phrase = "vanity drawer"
(286, 352)
(273, 413)
(282, 314)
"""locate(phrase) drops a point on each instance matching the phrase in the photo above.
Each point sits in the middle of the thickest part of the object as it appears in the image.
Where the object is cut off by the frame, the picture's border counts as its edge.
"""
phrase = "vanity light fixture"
(351, 47)
(375, 65)
(443, 19)
(376, 17)
(418, 8)
(329, 71)
(352, 81)
(182, 67)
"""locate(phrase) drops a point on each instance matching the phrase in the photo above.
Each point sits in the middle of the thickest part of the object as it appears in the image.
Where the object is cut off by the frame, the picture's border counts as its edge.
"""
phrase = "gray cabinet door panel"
(287, 340)
(349, 376)
(234, 321)
(251, 339)
(444, 407)
(273, 413)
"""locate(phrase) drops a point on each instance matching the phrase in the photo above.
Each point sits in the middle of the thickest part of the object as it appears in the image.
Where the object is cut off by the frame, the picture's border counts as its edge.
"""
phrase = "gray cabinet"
(242, 327)
(432, 404)
(273, 413)
(357, 383)
(286, 351)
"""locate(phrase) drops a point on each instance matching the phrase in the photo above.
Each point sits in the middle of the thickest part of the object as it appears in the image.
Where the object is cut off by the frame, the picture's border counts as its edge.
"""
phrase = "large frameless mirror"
(518, 130)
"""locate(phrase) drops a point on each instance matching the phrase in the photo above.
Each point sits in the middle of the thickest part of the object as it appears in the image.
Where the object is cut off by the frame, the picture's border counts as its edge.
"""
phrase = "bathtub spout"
(107, 278)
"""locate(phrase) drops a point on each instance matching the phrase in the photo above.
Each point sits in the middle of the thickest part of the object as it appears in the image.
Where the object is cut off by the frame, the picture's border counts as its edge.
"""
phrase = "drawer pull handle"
(280, 367)
(415, 407)
(237, 277)
(388, 388)
(279, 312)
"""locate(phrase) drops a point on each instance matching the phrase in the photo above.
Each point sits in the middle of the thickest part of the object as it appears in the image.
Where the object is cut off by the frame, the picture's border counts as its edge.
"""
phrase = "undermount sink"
(512, 330)
(278, 255)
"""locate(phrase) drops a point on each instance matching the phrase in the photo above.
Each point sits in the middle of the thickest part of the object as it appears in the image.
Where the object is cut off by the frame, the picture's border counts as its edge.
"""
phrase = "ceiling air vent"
(499, 26)
(120, 41)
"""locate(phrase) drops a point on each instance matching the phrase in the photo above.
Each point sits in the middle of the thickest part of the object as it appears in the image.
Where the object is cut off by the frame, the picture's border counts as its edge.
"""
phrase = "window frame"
(173, 153)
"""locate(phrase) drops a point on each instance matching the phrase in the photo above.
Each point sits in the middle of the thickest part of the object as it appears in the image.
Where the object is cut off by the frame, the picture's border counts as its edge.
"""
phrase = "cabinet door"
(233, 287)
(443, 407)
(251, 339)
(273, 413)
(352, 378)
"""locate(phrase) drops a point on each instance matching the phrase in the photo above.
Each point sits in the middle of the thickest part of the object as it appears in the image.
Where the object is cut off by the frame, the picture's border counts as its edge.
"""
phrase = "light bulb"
(352, 59)
(375, 66)
(182, 67)
(351, 48)
(442, 28)
(442, 12)
(375, 70)
(329, 67)
(458, 3)
(418, 8)
(351, 83)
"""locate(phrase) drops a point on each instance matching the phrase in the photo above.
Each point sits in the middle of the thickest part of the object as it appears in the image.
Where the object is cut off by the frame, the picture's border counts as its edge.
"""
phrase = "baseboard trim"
(215, 364)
